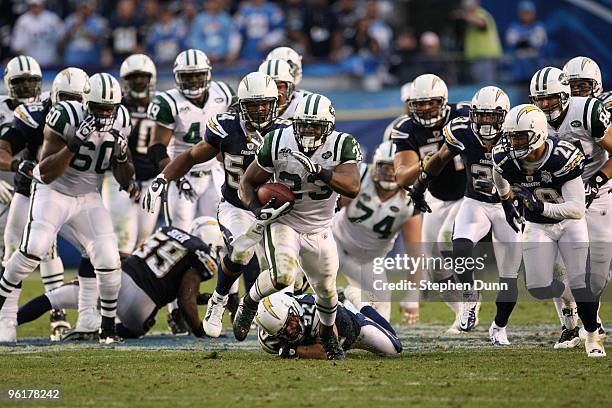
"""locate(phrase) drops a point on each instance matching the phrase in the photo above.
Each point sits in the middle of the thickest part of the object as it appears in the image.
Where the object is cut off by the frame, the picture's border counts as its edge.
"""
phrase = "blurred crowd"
(359, 37)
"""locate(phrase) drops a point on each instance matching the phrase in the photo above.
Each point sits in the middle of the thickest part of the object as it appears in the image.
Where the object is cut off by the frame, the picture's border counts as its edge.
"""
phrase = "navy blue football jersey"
(477, 159)
(563, 162)
(26, 133)
(139, 140)
(158, 265)
(227, 133)
(348, 324)
(410, 135)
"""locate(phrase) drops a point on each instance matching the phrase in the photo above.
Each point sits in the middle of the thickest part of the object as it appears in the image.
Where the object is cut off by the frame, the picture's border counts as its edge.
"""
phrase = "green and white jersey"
(315, 201)
(367, 226)
(172, 110)
(86, 170)
(585, 122)
(6, 114)
(297, 96)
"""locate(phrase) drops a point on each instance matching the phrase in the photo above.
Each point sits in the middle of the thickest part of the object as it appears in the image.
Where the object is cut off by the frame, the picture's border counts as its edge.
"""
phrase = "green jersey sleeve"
(351, 152)
(264, 153)
(160, 110)
(63, 120)
(600, 120)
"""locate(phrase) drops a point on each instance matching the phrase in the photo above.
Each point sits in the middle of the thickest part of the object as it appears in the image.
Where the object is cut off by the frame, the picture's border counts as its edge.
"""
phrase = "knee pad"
(37, 239)
(285, 267)
(323, 290)
(554, 290)
(104, 254)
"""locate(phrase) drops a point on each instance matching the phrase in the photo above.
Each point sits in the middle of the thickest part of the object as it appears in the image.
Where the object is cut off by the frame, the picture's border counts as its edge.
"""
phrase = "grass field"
(435, 369)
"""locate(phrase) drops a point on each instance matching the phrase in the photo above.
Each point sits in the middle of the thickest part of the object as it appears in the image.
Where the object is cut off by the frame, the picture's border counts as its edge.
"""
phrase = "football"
(281, 192)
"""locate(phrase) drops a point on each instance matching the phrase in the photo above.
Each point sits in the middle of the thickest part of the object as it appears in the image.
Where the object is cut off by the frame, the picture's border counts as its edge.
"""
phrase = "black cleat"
(59, 325)
(570, 338)
(332, 346)
(244, 317)
(177, 324)
(109, 336)
(74, 335)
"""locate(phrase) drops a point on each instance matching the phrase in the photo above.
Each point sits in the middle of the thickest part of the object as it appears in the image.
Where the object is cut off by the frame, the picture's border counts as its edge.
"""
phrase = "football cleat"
(232, 305)
(59, 325)
(75, 335)
(244, 317)
(8, 330)
(468, 317)
(177, 324)
(594, 344)
(455, 328)
(213, 319)
(583, 333)
(498, 335)
(332, 346)
(88, 321)
(569, 338)
(109, 336)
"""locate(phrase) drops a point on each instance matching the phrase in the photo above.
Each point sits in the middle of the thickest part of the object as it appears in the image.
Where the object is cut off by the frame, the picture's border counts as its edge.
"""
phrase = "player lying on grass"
(170, 264)
(288, 326)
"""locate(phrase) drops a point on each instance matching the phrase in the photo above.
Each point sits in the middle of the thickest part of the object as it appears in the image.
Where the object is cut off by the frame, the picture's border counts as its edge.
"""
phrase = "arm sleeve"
(501, 184)
(351, 152)
(573, 206)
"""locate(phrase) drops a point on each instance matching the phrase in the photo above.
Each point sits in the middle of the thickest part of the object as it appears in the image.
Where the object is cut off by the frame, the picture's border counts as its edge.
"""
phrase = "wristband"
(600, 178)
(325, 175)
(254, 206)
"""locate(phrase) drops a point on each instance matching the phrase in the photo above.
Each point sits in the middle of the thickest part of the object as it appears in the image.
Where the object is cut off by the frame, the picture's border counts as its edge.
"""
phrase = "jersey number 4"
(383, 228)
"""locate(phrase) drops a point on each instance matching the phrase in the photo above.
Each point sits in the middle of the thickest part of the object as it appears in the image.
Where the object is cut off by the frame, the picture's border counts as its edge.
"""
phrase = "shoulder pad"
(500, 157)
(282, 122)
(22, 113)
(571, 158)
(225, 90)
(454, 130)
(218, 124)
(401, 128)
(306, 299)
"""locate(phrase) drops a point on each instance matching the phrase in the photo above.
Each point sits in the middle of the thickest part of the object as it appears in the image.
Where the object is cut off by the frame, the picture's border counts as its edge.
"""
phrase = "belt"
(200, 173)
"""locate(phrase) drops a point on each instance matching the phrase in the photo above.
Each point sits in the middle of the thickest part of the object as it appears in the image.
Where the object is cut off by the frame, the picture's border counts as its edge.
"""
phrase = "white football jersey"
(6, 114)
(171, 109)
(367, 227)
(86, 170)
(315, 201)
(585, 122)
(297, 96)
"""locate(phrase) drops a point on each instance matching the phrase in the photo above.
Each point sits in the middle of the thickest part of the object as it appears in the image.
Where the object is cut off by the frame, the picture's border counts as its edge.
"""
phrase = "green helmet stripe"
(269, 68)
(20, 63)
(187, 56)
(308, 98)
(103, 86)
(390, 149)
(538, 80)
(276, 68)
(195, 57)
(544, 83)
(110, 84)
(28, 62)
(316, 104)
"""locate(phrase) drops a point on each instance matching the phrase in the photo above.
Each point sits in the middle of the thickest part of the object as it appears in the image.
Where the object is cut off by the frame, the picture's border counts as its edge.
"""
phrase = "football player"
(26, 134)
(23, 82)
(280, 71)
(584, 78)
(543, 173)
(288, 327)
(81, 142)
(584, 122)
(417, 137)
(170, 264)
(317, 163)
(180, 116)
(236, 137)
(473, 138)
(295, 69)
(366, 228)
(132, 226)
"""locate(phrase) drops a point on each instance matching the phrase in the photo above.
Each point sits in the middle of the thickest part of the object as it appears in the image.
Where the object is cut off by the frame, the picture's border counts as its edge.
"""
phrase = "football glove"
(417, 192)
(484, 184)
(85, 129)
(6, 192)
(311, 167)
(512, 215)
(120, 150)
(133, 190)
(592, 186)
(529, 200)
(157, 189)
(287, 351)
(266, 214)
(23, 175)
(185, 189)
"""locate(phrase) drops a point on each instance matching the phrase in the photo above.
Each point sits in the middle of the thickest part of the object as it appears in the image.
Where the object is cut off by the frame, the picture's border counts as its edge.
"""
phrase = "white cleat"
(455, 328)
(213, 320)
(468, 317)
(594, 344)
(88, 321)
(569, 339)
(8, 330)
(498, 335)
(583, 333)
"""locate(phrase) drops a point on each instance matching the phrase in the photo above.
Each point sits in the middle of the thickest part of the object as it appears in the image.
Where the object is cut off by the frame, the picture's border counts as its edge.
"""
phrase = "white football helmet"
(292, 57)
(428, 88)
(207, 229)
(69, 84)
(313, 121)
(23, 79)
(547, 84)
(257, 99)
(488, 108)
(281, 315)
(280, 71)
(583, 69)
(384, 154)
(138, 87)
(524, 130)
(192, 73)
(102, 100)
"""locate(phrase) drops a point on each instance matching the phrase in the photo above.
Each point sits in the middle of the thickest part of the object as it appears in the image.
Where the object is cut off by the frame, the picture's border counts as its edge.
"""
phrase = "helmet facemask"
(487, 124)
(520, 143)
(384, 175)
(311, 134)
(25, 88)
(293, 329)
(69, 96)
(138, 84)
(104, 113)
(552, 105)
(429, 111)
(583, 87)
(259, 112)
(193, 84)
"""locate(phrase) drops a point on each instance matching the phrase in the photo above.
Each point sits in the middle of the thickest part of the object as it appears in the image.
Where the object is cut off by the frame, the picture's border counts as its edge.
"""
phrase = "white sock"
(263, 286)
(109, 284)
(9, 310)
(52, 273)
(88, 293)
